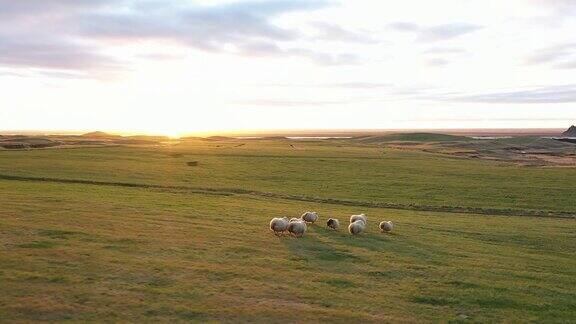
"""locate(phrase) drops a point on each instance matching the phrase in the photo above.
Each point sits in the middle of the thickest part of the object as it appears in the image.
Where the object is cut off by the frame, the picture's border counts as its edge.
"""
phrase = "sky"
(176, 67)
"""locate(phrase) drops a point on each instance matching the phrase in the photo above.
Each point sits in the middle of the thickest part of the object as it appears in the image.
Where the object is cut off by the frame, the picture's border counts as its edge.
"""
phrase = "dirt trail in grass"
(334, 201)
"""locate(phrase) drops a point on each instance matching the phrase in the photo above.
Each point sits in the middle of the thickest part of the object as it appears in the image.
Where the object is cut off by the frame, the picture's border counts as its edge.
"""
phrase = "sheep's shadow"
(312, 250)
(384, 242)
(368, 241)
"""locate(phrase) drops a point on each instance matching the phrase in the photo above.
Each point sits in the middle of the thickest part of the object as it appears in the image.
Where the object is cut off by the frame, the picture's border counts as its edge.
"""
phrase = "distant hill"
(99, 135)
(412, 137)
(571, 132)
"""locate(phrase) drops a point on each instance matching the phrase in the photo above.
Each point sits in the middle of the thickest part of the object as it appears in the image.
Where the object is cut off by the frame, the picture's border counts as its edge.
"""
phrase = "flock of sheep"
(298, 226)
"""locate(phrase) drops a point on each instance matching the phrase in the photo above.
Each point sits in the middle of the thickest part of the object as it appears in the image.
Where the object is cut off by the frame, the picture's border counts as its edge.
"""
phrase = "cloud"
(45, 8)
(562, 56)
(552, 13)
(333, 32)
(159, 56)
(566, 64)
(404, 26)
(33, 35)
(563, 7)
(550, 94)
(204, 27)
(339, 85)
(243, 28)
(73, 34)
(12, 74)
(271, 49)
(359, 85)
(378, 91)
(292, 103)
(447, 31)
(446, 50)
(57, 54)
(325, 58)
(435, 33)
(441, 56)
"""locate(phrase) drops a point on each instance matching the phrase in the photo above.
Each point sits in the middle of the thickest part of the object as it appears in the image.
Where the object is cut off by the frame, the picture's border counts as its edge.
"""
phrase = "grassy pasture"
(79, 252)
(337, 170)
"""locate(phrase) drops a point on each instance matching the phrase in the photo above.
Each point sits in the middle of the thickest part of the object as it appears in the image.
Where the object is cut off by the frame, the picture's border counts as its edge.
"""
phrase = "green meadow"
(115, 234)
(330, 169)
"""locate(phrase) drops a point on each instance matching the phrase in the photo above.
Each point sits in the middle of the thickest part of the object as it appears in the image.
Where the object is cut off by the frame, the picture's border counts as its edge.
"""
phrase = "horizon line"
(242, 132)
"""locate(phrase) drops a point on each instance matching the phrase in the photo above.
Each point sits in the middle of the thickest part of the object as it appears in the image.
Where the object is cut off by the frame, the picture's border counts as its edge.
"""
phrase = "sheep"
(357, 227)
(333, 223)
(297, 227)
(279, 225)
(386, 226)
(354, 218)
(310, 217)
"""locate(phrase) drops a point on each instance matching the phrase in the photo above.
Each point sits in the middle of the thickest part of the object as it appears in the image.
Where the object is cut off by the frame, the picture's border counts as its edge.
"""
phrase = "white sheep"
(354, 218)
(310, 217)
(297, 227)
(386, 226)
(357, 227)
(333, 223)
(279, 225)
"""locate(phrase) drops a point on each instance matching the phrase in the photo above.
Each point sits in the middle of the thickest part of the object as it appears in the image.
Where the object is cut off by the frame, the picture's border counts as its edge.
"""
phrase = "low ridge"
(98, 134)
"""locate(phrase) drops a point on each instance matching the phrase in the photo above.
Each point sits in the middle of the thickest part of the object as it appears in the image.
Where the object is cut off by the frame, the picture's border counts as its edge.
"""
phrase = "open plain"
(138, 233)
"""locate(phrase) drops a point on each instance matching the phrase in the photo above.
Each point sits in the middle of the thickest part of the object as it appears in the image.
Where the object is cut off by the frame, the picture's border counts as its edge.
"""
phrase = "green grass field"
(316, 169)
(196, 247)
